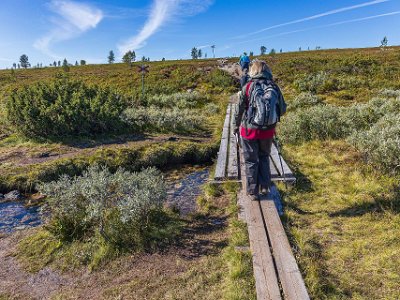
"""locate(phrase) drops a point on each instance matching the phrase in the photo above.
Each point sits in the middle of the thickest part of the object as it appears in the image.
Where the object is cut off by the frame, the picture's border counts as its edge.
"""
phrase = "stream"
(182, 193)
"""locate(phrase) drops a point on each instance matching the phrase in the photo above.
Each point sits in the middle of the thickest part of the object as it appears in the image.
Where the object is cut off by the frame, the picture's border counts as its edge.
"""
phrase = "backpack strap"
(248, 86)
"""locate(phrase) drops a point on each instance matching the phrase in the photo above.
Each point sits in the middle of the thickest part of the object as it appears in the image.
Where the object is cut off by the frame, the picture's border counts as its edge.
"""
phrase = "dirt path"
(141, 276)
(16, 283)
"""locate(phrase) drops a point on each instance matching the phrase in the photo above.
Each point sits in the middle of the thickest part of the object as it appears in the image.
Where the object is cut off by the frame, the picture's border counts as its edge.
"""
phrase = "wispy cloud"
(162, 12)
(321, 15)
(320, 27)
(72, 19)
(204, 46)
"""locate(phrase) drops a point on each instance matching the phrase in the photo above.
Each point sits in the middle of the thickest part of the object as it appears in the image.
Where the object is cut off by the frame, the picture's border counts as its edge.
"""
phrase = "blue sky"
(48, 30)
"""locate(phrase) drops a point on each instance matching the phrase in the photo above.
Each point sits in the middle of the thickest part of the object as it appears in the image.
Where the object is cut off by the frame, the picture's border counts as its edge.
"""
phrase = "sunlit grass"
(343, 218)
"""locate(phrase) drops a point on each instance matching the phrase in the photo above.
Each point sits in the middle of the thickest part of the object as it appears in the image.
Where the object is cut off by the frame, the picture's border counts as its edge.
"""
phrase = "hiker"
(261, 104)
(244, 62)
(244, 79)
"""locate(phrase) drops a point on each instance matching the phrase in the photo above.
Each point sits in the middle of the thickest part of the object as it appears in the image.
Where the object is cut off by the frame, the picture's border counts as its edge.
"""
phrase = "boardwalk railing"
(276, 272)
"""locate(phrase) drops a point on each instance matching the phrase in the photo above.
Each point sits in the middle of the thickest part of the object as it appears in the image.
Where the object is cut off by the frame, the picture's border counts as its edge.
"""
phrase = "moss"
(134, 158)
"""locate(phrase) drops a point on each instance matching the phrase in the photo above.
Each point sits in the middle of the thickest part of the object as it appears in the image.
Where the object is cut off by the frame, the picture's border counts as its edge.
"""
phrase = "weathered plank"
(267, 286)
(233, 170)
(289, 274)
(283, 169)
(220, 171)
(273, 195)
(274, 172)
(264, 271)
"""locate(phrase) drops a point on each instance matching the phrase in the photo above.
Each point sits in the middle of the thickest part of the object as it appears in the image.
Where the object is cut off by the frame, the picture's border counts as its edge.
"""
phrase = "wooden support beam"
(233, 166)
(220, 171)
(281, 166)
(289, 274)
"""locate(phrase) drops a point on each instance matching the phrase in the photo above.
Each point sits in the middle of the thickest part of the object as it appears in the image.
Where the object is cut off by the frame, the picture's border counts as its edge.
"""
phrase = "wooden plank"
(233, 170)
(273, 195)
(275, 158)
(220, 171)
(274, 172)
(289, 274)
(267, 286)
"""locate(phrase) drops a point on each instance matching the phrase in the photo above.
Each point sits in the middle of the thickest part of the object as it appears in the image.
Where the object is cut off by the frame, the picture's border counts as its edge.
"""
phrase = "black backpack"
(263, 108)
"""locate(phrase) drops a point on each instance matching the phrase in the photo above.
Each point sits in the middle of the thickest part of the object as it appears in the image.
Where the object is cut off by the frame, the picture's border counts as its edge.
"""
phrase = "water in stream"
(15, 215)
(182, 193)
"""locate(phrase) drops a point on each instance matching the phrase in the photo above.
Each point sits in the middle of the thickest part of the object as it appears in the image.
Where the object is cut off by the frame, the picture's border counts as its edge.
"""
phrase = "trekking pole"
(278, 147)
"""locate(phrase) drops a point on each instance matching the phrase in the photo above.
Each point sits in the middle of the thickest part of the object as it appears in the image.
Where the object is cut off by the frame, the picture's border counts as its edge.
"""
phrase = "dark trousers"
(256, 156)
(244, 65)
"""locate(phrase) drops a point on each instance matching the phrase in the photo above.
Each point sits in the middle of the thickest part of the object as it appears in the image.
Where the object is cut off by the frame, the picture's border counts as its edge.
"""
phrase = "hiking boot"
(254, 197)
(264, 190)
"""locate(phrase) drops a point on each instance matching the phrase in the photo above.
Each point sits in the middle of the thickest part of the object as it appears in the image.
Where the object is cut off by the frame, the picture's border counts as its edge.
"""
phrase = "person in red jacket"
(256, 139)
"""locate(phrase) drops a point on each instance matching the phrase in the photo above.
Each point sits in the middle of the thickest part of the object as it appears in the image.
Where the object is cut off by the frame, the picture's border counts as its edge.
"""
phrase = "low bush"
(64, 107)
(304, 100)
(390, 93)
(317, 83)
(125, 208)
(373, 127)
(381, 143)
(163, 120)
(177, 100)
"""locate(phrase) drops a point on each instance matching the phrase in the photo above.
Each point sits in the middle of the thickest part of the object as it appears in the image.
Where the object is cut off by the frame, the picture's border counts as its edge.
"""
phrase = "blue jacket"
(244, 59)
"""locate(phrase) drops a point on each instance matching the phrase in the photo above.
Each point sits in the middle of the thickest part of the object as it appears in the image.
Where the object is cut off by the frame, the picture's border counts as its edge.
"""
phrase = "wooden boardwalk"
(276, 271)
(228, 157)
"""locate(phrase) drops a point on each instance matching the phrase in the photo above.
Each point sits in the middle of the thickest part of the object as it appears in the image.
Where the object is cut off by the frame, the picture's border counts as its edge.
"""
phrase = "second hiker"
(244, 62)
(261, 104)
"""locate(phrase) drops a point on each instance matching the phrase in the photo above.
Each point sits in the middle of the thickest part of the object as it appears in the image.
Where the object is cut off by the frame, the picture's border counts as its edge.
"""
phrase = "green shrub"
(304, 100)
(221, 81)
(64, 107)
(316, 83)
(390, 93)
(328, 121)
(381, 143)
(177, 100)
(163, 120)
(318, 122)
(125, 208)
(372, 127)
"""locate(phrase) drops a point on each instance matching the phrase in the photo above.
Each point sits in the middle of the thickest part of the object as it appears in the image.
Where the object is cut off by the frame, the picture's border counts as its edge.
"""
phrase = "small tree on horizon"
(263, 50)
(129, 57)
(111, 57)
(194, 53)
(24, 61)
(65, 65)
(199, 53)
(272, 52)
(384, 43)
(83, 62)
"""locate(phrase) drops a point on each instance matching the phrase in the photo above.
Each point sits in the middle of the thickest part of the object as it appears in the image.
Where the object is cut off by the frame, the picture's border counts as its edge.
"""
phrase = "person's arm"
(281, 103)
(240, 109)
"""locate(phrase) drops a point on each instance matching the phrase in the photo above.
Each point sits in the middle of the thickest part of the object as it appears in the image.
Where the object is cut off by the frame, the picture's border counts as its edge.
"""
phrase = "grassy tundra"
(341, 136)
